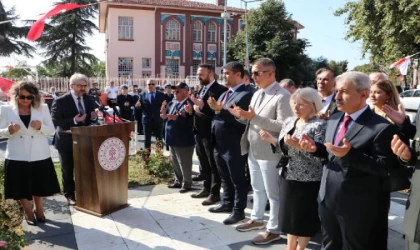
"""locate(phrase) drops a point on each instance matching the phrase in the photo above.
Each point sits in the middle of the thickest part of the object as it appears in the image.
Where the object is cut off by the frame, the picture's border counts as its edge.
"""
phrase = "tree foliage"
(64, 40)
(338, 67)
(387, 29)
(271, 34)
(367, 68)
(10, 35)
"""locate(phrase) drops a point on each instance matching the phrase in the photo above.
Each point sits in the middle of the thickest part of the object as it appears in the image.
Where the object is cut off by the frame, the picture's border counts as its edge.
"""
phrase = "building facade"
(164, 38)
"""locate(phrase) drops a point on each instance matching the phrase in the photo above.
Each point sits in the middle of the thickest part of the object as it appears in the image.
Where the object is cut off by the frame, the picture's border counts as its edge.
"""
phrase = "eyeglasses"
(258, 73)
(81, 85)
(28, 97)
(151, 84)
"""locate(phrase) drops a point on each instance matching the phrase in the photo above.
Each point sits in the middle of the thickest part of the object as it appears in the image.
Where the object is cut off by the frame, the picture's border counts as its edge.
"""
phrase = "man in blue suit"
(179, 136)
(227, 132)
(151, 102)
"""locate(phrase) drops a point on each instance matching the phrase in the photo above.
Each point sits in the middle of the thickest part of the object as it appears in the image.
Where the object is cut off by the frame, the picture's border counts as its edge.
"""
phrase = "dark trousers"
(208, 167)
(67, 172)
(149, 128)
(232, 174)
(354, 229)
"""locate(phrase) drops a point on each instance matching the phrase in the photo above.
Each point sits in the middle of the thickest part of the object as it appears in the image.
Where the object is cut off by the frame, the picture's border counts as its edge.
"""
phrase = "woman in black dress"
(300, 174)
(29, 170)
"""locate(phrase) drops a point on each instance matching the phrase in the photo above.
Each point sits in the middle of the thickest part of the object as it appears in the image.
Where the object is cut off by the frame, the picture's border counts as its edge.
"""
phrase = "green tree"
(98, 69)
(388, 30)
(338, 67)
(270, 33)
(10, 35)
(367, 68)
(64, 40)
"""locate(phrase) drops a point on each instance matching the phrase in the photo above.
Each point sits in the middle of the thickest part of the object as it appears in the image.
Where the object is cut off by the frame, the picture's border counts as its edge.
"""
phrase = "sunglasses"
(151, 84)
(258, 73)
(28, 97)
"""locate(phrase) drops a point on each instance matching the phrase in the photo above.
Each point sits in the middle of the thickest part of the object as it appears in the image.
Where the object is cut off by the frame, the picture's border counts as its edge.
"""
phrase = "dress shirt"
(113, 92)
(326, 102)
(149, 95)
(353, 116)
(77, 101)
(207, 88)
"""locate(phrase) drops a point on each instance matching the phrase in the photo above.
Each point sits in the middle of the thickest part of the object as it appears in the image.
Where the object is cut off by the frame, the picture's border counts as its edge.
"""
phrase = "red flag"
(402, 65)
(37, 28)
(5, 85)
(110, 119)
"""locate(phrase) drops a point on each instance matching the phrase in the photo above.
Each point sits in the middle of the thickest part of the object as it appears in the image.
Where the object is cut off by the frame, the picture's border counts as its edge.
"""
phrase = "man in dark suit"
(151, 102)
(125, 102)
(205, 150)
(227, 131)
(179, 136)
(138, 111)
(168, 93)
(357, 146)
(70, 110)
(325, 81)
(247, 82)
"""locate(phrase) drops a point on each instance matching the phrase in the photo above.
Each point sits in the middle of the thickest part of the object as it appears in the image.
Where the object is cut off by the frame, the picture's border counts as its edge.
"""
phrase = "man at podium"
(72, 109)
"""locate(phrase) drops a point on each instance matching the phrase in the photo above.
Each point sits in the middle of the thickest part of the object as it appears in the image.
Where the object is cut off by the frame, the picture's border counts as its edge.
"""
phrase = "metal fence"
(61, 84)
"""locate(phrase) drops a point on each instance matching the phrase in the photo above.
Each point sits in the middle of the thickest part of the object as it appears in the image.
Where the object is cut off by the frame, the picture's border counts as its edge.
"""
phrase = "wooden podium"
(100, 156)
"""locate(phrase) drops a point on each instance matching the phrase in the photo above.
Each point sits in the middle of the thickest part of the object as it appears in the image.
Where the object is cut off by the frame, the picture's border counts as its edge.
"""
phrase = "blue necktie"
(152, 97)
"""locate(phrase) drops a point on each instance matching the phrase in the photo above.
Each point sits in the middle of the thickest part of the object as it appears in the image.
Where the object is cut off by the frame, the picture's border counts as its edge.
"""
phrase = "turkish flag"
(5, 85)
(109, 119)
(402, 65)
(37, 28)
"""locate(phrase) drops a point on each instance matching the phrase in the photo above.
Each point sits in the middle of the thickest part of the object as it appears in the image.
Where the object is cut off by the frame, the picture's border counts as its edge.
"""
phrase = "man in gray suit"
(269, 108)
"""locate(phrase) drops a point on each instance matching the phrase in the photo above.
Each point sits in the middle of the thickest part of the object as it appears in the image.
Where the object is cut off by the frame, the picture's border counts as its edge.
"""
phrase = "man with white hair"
(358, 156)
(71, 110)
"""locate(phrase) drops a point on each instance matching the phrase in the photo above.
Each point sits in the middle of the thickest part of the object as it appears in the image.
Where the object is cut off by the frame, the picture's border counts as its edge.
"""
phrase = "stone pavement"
(162, 219)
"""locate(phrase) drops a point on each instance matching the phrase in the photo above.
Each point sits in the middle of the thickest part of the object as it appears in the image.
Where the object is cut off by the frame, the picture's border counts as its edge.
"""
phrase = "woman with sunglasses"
(29, 170)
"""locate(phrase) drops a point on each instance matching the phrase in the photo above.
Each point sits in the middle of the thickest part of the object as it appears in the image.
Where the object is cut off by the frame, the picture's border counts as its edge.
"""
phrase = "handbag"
(284, 160)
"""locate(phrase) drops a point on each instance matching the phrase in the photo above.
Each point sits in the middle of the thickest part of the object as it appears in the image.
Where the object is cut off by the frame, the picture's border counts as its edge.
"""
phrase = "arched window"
(211, 32)
(197, 31)
(227, 32)
(173, 30)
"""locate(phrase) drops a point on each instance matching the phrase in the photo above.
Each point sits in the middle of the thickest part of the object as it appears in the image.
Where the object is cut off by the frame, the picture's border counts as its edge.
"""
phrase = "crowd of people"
(324, 159)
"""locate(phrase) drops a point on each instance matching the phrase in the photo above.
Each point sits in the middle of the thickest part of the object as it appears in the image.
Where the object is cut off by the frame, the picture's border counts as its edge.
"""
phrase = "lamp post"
(246, 30)
(225, 16)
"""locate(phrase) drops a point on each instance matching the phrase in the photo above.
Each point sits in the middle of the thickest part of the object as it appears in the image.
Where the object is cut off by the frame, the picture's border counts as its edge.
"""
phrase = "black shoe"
(30, 222)
(175, 185)
(185, 189)
(39, 219)
(267, 206)
(202, 194)
(212, 199)
(234, 218)
(198, 178)
(71, 201)
(222, 208)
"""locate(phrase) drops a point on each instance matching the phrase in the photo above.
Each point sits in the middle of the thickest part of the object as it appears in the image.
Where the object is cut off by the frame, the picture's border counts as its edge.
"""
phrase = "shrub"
(156, 163)
(11, 233)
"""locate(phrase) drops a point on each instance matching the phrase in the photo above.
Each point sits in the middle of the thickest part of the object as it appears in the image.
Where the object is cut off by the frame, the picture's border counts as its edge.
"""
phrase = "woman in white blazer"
(29, 170)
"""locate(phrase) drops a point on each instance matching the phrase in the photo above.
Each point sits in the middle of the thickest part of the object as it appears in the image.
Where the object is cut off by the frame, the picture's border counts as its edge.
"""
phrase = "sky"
(323, 30)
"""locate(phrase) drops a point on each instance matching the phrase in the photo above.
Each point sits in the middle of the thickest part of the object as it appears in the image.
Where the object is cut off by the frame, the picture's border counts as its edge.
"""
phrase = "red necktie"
(343, 130)
(227, 96)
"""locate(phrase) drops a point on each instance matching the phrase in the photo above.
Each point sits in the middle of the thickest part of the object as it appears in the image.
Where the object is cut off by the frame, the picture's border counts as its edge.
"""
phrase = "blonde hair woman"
(300, 172)
(29, 170)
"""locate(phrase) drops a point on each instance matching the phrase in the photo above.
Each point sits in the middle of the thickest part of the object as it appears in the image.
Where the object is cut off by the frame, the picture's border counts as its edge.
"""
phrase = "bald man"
(377, 76)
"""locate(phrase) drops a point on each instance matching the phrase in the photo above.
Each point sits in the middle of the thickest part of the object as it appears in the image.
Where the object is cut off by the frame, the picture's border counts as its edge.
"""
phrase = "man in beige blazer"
(269, 108)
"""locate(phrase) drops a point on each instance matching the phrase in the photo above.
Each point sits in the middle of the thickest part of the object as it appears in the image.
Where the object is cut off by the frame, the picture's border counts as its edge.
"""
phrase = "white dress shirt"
(353, 116)
(326, 102)
(112, 92)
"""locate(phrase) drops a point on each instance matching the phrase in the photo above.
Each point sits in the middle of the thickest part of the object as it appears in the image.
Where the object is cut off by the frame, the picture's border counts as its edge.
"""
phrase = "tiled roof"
(178, 3)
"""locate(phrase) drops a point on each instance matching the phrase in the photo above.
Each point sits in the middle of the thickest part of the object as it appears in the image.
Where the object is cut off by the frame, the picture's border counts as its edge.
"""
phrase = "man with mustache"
(358, 157)
(202, 126)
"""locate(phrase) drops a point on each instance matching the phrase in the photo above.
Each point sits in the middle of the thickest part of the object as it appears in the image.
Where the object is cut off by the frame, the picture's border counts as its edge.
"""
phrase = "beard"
(204, 81)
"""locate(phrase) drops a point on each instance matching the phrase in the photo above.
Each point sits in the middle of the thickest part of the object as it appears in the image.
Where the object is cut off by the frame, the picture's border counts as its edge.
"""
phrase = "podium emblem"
(111, 154)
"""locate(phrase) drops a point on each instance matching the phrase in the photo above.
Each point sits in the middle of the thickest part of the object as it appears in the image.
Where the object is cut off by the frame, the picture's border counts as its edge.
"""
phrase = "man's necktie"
(152, 97)
(80, 106)
(203, 92)
(227, 96)
(176, 108)
(261, 98)
(343, 130)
